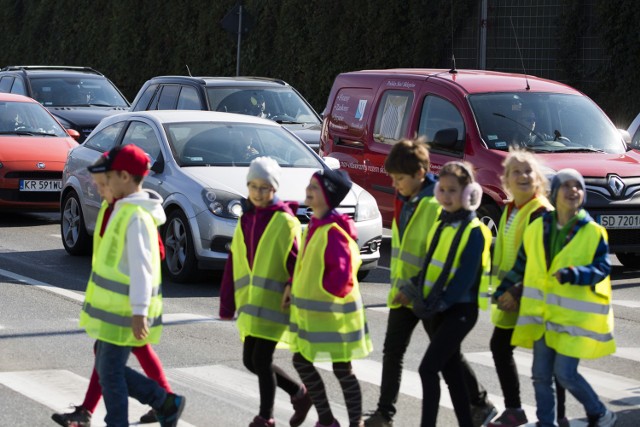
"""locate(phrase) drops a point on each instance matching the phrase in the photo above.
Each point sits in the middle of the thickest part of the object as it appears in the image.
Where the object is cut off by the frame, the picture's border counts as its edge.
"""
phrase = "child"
(565, 311)
(149, 361)
(526, 186)
(261, 262)
(123, 303)
(327, 314)
(453, 279)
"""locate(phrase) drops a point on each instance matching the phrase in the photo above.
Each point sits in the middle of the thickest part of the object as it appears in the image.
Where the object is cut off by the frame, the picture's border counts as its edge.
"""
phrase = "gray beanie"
(560, 178)
(265, 168)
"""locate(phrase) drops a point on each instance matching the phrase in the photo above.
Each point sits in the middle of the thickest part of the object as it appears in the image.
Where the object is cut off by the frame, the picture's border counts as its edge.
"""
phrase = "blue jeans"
(118, 381)
(546, 364)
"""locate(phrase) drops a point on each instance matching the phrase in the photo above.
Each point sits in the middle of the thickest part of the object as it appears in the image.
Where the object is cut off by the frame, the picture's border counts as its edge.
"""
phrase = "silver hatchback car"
(199, 166)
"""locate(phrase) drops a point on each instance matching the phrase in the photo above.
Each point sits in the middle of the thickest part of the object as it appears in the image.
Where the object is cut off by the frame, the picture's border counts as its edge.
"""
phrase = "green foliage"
(304, 42)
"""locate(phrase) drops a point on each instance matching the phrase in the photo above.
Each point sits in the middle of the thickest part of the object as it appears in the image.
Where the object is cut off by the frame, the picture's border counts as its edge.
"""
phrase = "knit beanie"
(335, 185)
(560, 178)
(265, 168)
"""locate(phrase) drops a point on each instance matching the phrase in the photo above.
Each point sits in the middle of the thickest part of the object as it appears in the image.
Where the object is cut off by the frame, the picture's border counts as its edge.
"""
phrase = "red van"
(476, 116)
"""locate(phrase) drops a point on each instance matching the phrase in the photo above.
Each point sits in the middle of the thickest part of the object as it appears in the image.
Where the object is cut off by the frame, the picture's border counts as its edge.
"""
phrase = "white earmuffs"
(471, 193)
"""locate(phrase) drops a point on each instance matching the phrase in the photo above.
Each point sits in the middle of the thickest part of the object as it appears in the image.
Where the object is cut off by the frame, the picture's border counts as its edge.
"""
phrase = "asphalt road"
(45, 360)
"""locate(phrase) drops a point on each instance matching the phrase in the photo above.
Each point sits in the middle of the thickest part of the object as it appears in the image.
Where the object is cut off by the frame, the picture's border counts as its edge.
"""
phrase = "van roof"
(474, 81)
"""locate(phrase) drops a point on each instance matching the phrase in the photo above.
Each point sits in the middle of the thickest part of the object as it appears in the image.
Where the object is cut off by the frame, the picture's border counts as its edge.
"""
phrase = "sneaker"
(511, 417)
(335, 423)
(149, 417)
(608, 419)
(378, 419)
(258, 421)
(78, 418)
(564, 422)
(481, 415)
(170, 411)
(301, 406)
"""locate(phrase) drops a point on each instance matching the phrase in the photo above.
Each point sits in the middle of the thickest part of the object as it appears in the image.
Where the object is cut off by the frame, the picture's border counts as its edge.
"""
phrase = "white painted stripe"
(613, 387)
(380, 309)
(55, 389)
(626, 303)
(44, 286)
(631, 353)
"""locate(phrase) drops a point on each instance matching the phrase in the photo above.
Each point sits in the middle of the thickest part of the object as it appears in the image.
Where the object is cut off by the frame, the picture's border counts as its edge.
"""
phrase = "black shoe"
(149, 417)
(78, 418)
(169, 413)
(482, 414)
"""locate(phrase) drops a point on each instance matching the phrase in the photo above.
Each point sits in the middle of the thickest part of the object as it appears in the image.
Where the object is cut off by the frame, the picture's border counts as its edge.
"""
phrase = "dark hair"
(408, 156)
(462, 171)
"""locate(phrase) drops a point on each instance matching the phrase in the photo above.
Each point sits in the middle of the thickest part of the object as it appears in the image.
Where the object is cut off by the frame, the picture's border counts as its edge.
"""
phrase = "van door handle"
(378, 137)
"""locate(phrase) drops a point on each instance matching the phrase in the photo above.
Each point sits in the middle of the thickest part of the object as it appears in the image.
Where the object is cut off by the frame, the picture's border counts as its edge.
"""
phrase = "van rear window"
(349, 111)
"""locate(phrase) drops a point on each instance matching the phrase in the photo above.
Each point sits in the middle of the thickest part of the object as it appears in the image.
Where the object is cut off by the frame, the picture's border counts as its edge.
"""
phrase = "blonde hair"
(540, 182)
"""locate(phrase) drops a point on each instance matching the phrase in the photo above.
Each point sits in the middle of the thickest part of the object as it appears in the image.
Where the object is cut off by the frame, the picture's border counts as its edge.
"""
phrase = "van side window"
(393, 116)
(442, 124)
(18, 87)
(189, 99)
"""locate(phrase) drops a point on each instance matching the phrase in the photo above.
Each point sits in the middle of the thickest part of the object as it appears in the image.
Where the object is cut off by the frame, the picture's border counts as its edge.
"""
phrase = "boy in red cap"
(123, 302)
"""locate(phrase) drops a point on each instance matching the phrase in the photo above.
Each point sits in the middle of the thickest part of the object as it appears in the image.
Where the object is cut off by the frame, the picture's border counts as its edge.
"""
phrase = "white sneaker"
(608, 419)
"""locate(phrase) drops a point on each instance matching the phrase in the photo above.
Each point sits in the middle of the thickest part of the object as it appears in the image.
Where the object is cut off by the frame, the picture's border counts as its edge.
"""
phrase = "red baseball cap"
(128, 158)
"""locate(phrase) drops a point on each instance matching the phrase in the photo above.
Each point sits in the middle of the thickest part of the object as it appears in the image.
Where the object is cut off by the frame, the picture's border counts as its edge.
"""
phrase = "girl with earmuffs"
(452, 285)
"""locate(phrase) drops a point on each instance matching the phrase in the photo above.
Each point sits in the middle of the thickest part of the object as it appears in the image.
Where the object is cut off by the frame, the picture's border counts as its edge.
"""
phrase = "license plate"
(620, 221)
(40, 185)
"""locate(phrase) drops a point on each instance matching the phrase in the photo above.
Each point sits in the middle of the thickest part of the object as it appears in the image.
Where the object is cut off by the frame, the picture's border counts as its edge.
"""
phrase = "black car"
(263, 97)
(79, 97)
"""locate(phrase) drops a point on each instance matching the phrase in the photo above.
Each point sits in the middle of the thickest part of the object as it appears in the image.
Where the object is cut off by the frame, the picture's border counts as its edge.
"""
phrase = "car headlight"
(222, 203)
(367, 207)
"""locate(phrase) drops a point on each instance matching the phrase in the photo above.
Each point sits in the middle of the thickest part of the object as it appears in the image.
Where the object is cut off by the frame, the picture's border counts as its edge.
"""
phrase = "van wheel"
(489, 214)
(629, 260)
(180, 255)
(75, 239)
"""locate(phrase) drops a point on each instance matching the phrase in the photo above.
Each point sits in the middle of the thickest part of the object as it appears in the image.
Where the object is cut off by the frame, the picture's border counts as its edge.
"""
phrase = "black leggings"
(315, 386)
(257, 357)
(502, 352)
(446, 331)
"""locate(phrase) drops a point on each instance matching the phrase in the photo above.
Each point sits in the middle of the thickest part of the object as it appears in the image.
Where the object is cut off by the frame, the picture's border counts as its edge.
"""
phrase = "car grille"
(304, 212)
(33, 175)
(624, 237)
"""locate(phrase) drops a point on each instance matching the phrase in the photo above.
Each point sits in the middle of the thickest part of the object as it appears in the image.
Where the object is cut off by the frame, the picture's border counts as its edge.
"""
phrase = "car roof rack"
(51, 68)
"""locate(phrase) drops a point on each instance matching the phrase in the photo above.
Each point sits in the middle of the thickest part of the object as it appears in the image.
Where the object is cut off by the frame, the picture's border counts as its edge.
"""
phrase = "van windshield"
(544, 122)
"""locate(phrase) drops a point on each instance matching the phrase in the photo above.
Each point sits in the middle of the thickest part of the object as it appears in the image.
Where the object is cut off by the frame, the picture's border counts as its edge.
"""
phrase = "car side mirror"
(158, 165)
(446, 138)
(626, 137)
(332, 162)
(73, 134)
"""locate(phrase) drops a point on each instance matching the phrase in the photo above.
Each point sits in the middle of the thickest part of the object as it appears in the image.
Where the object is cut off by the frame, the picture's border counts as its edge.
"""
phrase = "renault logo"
(41, 165)
(616, 185)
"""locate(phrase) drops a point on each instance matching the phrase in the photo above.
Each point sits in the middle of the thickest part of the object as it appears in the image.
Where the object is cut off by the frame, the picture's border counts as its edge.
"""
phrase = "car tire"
(180, 258)
(489, 215)
(75, 238)
(629, 260)
(362, 274)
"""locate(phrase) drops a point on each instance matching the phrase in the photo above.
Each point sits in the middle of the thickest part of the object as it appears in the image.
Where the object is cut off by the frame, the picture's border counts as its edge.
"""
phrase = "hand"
(401, 298)
(139, 326)
(506, 302)
(286, 298)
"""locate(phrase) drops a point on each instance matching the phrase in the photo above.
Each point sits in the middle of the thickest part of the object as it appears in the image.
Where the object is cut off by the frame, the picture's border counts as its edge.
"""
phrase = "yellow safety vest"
(576, 320)
(96, 232)
(407, 255)
(106, 314)
(505, 252)
(324, 327)
(443, 249)
(259, 290)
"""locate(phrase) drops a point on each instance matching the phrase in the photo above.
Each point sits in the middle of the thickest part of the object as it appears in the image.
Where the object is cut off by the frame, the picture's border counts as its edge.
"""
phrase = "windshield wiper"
(579, 150)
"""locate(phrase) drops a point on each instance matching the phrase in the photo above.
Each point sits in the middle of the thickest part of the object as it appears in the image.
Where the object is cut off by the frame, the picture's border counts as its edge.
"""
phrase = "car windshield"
(282, 105)
(235, 144)
(28, 119)
(76, 92)
(544, 122)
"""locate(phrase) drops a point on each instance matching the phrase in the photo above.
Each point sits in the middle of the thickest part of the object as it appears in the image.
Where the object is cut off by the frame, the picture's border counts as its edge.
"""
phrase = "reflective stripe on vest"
(443, 250)
(325, 327)
(96, 232)
(107, 314)
(576, 320)
(505, 252)
(258, 289)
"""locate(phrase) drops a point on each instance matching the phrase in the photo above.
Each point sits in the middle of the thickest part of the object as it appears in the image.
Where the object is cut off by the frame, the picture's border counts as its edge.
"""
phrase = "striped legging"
(315, 387)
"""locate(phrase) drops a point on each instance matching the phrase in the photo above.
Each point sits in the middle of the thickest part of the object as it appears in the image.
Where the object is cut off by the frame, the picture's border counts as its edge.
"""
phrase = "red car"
(33, 151)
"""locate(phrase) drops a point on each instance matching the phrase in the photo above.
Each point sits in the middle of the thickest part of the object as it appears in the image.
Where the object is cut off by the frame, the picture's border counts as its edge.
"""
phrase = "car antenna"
(453, 70)
(188, 70)
(515, 36)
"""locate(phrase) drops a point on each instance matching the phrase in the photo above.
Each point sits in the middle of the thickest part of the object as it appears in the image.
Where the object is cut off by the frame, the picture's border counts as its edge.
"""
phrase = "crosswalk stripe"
(55, 389)
(613, 387)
